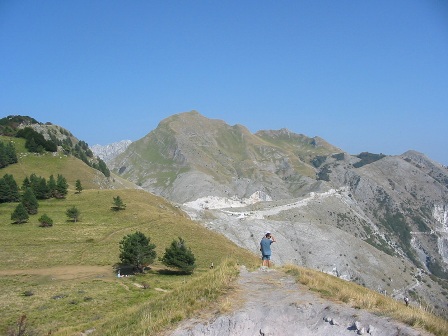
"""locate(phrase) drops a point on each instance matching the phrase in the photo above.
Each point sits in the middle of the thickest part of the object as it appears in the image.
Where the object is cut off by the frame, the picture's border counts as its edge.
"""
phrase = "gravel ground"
(274, 304)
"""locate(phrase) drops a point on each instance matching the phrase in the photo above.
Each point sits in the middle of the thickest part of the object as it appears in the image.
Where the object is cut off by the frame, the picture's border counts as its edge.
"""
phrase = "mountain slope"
(188, 156)
(394, 208)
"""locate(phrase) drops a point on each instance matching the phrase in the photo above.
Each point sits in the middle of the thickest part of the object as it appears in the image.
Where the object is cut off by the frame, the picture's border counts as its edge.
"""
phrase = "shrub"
(45, 221)
(178, 255)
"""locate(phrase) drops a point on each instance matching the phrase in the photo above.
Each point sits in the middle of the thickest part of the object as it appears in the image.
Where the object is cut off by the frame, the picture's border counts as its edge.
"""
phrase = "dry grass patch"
(360, 297)
(184, 301)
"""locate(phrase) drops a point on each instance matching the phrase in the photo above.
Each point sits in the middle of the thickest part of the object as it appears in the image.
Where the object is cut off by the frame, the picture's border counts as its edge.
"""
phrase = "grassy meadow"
(62, 277)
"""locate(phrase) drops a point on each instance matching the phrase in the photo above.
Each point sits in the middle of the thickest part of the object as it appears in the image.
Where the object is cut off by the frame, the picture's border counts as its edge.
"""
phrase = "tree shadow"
(166, 271)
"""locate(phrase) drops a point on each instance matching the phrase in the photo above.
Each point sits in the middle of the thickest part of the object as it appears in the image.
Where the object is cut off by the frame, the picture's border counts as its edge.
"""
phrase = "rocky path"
(274, 304)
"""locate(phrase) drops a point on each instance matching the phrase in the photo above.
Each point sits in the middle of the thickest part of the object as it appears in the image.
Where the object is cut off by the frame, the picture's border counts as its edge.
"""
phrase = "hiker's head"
(268, 234)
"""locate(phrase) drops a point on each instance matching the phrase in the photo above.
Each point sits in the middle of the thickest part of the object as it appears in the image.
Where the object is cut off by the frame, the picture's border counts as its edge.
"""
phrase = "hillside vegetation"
(62, 277)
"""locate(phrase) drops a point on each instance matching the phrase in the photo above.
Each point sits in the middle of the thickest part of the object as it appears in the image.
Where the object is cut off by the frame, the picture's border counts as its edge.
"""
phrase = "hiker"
(406, 300)
(265, 248)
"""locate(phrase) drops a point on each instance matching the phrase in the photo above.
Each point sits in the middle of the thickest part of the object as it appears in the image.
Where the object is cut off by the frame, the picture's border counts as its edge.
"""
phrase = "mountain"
(376, 219)
(188, 156)
(108, 152)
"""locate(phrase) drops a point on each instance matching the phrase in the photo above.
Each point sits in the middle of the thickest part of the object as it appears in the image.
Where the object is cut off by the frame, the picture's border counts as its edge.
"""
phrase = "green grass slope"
(70, 167)
(62, 277)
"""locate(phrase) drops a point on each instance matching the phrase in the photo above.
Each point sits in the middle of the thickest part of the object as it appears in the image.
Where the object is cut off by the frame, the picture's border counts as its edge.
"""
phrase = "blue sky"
(363, 75)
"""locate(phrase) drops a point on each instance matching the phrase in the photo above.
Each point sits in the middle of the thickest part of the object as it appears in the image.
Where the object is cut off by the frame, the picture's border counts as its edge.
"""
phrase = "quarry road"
(272, 303)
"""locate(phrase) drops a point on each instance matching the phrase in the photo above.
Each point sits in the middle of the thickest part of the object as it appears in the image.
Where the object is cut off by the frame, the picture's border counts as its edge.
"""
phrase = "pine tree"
(11, 153)
(34, 182)
(52, 186)
(137, 251)
(26, 183)
(9, 191)
(73, 213)
(118, 204)
(3, 156)
(29, 200)
(13, 189)
(61, 187)
(20, 215)
(42, 191)
(180, 256)
(78, 186)
(32, 146)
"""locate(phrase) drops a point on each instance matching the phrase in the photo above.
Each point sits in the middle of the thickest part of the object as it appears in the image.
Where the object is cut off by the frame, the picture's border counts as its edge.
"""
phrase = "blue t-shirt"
(265, 245)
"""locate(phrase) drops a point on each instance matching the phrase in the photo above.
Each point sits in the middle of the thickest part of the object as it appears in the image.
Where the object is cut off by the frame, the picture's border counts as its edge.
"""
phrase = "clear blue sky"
(364, 75)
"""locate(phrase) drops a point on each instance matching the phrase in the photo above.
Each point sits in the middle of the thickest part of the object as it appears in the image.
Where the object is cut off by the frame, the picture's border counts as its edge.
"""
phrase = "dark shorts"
(266, 257)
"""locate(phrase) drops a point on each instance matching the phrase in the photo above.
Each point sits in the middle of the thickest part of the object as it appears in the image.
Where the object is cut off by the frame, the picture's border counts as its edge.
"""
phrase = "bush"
(179, 256)
(45, 221)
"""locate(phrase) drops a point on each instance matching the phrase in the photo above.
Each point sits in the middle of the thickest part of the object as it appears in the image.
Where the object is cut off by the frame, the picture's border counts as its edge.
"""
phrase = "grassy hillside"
(62, 277)
(48, 164)
(75, 260)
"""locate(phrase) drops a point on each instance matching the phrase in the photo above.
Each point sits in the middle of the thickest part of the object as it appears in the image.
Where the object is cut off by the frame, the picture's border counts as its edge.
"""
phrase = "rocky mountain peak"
(110, 151)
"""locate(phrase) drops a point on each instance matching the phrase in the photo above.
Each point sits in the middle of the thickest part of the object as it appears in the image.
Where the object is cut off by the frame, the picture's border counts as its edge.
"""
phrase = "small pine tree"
(137, 251)
(26, 183)
(180, 256)
(45, 221)
(118, 204)
(4, 192)
(9, 191)
(42, 191)
(29, 200)
(73, 213)
(11, 153)
(52, 186)
(61, 187)
(20, 215)
(78, 186)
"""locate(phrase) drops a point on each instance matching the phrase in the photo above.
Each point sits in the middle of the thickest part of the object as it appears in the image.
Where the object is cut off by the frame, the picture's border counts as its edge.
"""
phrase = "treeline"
(36, 143)
(82, 151)
(8, 154)
(39, 187)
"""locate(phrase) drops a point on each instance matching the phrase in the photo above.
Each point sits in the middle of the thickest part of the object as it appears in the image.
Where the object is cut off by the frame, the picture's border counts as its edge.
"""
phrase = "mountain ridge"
(395, 204)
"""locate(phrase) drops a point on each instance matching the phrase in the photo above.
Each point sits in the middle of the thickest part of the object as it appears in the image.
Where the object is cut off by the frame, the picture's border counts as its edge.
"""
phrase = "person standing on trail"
(265, 248)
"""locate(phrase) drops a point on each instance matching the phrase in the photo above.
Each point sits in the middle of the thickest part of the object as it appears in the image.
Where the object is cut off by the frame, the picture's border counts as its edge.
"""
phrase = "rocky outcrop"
(109, 152)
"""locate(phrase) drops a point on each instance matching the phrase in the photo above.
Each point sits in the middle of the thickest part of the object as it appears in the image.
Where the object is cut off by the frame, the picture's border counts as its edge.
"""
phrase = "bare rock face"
(375, 219)
(108, 152)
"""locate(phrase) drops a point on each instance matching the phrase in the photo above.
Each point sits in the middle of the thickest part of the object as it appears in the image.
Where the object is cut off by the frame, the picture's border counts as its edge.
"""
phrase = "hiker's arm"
(273, 239)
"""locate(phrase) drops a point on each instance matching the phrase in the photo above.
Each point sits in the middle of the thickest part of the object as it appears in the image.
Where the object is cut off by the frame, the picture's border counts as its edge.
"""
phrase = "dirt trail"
(274, 304)
(65, 272)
